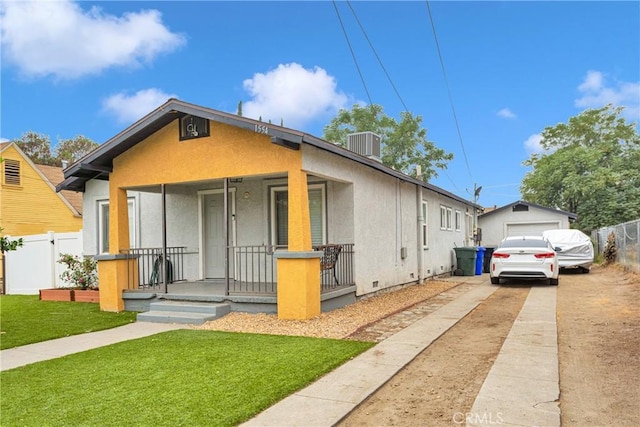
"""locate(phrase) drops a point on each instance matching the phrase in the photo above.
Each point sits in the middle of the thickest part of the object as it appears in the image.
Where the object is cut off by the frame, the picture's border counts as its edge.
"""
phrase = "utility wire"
(346, 36)
(446, 81)
(377, 57)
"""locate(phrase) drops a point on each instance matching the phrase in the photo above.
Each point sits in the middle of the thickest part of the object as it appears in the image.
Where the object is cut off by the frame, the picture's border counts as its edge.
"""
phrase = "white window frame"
(469, 226)
(458, 221)
(103, 235)
(272, 210)
(425, 225)
(443, 217)
(449, 219)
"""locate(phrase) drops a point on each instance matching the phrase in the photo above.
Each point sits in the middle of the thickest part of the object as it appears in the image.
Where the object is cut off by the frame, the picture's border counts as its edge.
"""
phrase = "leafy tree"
(590, 166)
(74, 149)
(37, 147)
(405, 144)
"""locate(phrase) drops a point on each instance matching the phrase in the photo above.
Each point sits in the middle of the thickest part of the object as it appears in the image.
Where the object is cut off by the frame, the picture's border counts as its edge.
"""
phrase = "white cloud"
(532, 144)
(59, 38)
(596, 92)
(129, 108)
(294, 94)
(506, 113)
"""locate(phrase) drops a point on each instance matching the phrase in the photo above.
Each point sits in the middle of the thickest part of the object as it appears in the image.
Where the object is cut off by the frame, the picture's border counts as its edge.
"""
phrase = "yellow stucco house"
(29, 203)
(195, 204)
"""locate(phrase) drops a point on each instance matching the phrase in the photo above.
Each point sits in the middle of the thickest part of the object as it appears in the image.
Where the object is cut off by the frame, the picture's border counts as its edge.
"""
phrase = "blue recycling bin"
(479, 259)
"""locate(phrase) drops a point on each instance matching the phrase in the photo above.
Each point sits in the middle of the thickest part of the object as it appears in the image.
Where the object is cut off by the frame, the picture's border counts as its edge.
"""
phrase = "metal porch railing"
(252, 269)
(148, 271)
(255, 269)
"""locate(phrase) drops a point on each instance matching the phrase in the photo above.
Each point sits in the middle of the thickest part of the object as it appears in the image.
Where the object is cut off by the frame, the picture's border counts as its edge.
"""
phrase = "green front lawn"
(24, 319)
(177, 378)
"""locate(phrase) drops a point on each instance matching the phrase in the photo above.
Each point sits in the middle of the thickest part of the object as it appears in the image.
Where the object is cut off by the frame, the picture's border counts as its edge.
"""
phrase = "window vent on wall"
(11, 172)
(520, 208)
(366, 144)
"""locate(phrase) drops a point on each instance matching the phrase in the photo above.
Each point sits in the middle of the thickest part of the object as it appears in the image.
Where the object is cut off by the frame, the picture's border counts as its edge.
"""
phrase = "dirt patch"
(599, 345)
(440, 385)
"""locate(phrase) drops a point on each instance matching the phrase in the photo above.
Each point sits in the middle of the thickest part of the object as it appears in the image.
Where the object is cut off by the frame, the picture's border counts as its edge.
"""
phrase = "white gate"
(35, 266)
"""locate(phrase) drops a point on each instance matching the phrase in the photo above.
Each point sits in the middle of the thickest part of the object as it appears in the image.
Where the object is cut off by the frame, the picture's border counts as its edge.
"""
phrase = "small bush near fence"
(620, 244)
(81, 273)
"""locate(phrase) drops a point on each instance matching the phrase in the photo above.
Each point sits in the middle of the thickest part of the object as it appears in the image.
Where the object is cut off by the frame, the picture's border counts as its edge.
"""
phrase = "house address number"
(263, 129)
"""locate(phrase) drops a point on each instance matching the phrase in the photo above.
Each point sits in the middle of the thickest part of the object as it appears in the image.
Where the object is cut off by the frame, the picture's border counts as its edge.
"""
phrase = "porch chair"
(329, 258)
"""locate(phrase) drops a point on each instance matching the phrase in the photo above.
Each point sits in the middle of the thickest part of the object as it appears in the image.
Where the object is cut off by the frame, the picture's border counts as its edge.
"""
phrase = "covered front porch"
(230, 240)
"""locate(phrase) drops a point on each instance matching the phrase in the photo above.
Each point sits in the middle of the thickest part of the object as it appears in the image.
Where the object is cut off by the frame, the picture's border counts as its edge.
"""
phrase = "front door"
(214, 243)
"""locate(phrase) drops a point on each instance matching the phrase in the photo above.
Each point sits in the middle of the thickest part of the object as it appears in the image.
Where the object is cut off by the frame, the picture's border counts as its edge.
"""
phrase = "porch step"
(195, 313)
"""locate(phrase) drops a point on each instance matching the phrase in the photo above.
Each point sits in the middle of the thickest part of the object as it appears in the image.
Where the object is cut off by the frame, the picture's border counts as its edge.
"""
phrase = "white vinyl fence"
(34, 266)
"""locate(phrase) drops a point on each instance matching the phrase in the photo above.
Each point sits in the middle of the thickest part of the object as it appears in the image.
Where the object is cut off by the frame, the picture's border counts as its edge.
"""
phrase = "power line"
(355, 60)
(446, 81)
(377, 57)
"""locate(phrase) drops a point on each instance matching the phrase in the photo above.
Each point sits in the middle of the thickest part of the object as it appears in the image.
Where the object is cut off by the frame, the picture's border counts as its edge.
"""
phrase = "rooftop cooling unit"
(366, 144)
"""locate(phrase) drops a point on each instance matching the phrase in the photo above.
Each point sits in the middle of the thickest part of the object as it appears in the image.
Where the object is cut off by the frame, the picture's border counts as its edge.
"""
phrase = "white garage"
(530, 229)
(521, 219)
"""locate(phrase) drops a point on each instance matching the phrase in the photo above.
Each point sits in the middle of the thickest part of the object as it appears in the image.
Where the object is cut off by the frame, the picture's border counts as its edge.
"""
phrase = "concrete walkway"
(328, 400)
(522, 388)
(31, 353)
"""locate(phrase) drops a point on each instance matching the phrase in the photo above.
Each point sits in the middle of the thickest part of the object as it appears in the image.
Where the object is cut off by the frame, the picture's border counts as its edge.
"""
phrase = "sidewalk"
(31, 353)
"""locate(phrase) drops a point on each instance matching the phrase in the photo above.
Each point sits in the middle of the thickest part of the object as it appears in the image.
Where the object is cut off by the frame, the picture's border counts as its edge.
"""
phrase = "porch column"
(112, 268)
(299, 267)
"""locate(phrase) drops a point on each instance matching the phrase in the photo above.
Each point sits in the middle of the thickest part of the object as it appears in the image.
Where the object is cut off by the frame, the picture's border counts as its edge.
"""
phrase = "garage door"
(531, 229)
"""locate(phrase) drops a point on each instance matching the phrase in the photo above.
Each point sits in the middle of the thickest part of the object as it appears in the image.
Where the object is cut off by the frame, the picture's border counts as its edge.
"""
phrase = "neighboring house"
(162, 185)
(521, 219)
(29, 203)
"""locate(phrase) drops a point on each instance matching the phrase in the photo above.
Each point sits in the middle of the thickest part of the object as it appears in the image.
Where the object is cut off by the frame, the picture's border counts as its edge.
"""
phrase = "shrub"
(610, 250)
(81, 273)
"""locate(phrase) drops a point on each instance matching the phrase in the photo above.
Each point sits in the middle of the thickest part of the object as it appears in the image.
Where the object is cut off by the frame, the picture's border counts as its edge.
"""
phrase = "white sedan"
(524, 257)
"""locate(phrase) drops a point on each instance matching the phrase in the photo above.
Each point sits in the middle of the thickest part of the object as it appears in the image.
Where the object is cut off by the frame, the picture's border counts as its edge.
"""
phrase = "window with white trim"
(425, 225)
(443, 217)
(469, 225)
(103, 225)
(449, 218)
(280, 214)
(458, 220)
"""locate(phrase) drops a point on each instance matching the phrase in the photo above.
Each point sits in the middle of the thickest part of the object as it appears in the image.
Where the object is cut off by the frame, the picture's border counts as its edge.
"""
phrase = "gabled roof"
(51, 176)
(511, 207)
(55, 176)
(99, 163)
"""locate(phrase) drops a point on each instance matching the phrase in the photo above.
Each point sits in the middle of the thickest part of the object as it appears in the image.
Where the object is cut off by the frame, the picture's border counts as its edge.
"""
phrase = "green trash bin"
(466, 257)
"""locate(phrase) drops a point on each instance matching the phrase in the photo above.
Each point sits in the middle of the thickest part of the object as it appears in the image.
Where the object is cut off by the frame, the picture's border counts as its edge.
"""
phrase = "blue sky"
(513, 68)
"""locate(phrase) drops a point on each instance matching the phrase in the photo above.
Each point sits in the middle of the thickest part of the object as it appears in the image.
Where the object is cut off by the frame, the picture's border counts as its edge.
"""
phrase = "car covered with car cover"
(574, 248)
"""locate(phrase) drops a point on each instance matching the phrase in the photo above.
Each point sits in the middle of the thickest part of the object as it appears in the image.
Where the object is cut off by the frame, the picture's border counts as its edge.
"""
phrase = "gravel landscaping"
(340, 323)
